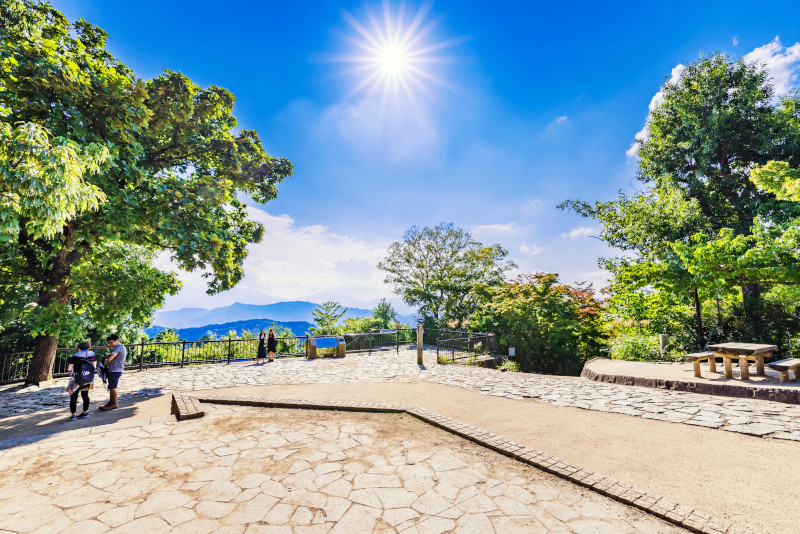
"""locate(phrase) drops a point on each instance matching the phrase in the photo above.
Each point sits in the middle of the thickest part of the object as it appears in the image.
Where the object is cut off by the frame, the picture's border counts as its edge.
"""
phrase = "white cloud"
(582, 231)
(295, 263)
(495, 229)
(561, 120)
(371, 127)
(656, 101)
(530, 250)
(735, 40)
(782, 63)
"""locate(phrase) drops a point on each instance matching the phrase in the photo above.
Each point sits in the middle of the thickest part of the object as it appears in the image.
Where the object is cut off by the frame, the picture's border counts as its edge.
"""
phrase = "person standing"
(272, 345)
(115, 363)
(262, 347)
(81, 379)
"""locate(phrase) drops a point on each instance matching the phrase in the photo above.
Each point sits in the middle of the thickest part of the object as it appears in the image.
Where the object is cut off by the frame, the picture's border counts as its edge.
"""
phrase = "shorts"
(113, 380)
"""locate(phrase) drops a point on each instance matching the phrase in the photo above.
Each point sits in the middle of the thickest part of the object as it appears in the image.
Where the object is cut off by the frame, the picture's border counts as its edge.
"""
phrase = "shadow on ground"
(150, 402)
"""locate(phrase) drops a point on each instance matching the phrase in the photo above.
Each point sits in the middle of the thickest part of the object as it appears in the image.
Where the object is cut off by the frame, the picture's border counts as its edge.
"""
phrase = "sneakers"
(72, 418)
(108, 406)
(84, 415)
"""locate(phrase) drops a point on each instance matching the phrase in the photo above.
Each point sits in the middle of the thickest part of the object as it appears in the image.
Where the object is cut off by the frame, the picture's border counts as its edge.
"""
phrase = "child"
(81, 379)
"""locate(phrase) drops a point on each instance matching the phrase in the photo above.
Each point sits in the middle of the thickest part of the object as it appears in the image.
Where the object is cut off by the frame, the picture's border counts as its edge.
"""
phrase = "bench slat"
(698, 355)
(787, 364)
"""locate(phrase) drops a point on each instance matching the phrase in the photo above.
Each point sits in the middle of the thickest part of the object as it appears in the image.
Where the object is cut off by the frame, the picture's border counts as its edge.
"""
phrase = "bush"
(509, 365)
(637, 347)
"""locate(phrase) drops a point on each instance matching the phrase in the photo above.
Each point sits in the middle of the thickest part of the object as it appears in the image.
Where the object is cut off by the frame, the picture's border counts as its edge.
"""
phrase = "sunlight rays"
(393, 57)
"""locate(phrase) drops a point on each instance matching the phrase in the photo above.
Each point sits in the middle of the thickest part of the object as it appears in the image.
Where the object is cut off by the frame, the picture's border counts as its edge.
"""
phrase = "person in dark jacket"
(262, 347)
(81, 379)
(272, 345)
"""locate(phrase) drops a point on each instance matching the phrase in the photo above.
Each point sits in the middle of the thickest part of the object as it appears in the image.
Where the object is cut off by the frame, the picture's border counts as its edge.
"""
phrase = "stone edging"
(184, 407)
(670, 511)
(789, 396)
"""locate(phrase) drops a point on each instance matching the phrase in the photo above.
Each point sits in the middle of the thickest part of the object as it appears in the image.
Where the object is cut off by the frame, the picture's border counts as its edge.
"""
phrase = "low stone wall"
(790, 396)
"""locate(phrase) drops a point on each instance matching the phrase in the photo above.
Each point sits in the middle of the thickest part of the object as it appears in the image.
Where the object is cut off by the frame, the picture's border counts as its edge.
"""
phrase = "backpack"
(83, 373)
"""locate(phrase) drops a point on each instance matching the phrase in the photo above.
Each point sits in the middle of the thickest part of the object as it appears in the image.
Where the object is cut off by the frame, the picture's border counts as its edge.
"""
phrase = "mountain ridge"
(283, 312)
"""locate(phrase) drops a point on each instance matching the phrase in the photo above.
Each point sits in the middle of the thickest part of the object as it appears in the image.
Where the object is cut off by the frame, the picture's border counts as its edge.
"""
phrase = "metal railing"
(464, 349)
(146, 355)
(383, 340)
(452, 346)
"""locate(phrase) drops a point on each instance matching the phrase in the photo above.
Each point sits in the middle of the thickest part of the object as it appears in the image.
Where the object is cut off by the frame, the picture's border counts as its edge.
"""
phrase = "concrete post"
(663, 339)
(419, 344)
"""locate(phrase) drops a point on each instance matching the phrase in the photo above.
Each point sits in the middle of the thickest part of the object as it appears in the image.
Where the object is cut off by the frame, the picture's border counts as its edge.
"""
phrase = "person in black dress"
(262, 347)
(272, 345)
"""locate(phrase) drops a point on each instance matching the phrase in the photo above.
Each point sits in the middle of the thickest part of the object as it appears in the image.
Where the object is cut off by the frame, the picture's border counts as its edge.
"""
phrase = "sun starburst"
(395, 54)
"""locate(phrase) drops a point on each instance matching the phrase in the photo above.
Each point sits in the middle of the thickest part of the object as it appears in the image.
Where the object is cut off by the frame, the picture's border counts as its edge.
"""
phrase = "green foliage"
(96, 162)
(554, 327)
(384, 314)
(509, 365)
(438, 268)
(167, 336)
(326, 318)
(701, 230)
(635, 346)
(356, 325)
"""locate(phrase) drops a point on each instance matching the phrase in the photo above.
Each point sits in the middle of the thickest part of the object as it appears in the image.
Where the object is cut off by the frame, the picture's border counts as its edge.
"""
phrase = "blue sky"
(531, 105)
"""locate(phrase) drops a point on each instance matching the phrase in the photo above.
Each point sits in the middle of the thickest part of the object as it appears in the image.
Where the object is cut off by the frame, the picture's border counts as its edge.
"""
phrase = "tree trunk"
(699, 318)
(751, 302)
(44, 354)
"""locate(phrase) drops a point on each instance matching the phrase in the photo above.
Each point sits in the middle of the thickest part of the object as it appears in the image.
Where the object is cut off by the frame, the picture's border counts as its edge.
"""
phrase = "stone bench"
(697, 357)
(784, 366)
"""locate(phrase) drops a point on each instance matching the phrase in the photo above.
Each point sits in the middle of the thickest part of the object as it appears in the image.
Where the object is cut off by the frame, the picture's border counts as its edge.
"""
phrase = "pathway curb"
(683, 516)
(786, 396)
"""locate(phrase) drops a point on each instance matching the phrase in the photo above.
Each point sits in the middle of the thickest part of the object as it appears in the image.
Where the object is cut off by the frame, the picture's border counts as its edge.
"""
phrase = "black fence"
(147, 355)
(452, 346)
(464, 349)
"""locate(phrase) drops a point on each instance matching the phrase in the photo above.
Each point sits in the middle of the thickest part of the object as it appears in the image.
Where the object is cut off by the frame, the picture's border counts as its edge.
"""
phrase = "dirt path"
(705, 468)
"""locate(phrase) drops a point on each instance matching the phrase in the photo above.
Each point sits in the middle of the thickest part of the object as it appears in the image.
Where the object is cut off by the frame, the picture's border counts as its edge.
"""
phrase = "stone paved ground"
(259, 470)
(748, 416)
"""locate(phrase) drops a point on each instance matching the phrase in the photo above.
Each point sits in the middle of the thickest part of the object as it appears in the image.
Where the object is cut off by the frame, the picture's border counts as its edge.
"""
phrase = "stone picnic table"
(744, 352)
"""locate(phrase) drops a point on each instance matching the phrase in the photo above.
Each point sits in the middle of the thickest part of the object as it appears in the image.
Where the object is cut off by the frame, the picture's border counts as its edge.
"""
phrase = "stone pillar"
(419, 344)
(663, 339)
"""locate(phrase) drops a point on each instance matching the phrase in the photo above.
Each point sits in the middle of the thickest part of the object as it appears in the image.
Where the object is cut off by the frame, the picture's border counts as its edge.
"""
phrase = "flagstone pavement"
(249, 470)
(749, 416)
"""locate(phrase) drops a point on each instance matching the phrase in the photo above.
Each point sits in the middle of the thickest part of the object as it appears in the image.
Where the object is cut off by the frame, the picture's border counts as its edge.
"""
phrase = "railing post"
(397, 341)
(141, 358)
(420, 333)
(183, 351)
(230, 341)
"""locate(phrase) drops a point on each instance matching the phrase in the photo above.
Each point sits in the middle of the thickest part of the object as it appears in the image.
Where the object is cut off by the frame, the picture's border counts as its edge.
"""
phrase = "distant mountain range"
(193, 323)
(254, 326)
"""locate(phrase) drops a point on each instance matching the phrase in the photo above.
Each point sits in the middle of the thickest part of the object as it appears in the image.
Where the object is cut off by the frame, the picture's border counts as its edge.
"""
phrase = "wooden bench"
(698, 357)
(784, 366)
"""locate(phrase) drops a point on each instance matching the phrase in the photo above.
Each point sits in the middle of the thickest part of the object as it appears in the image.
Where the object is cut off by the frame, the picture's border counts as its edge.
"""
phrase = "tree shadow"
(53, 413)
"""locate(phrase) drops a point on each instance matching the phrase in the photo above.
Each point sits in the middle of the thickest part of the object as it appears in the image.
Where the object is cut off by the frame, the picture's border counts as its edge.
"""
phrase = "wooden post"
(420, 332)
(760, 363)
(696, 365)
(726, 358)
(744, 367)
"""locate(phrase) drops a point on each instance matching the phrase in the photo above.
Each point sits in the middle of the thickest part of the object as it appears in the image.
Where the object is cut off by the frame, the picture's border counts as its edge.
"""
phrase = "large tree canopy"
(717, 123)
(437, 269)
(115, 164)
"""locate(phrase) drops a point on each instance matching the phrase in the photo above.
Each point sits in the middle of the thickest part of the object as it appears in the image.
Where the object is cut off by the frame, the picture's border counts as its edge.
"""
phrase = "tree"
(384, 314)
(158, 165)
(326, 318)
(437, 268)
(554, 327)
(716, 123)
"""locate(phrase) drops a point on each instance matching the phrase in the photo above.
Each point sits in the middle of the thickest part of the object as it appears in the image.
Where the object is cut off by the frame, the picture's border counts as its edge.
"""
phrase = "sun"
(395, 54)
